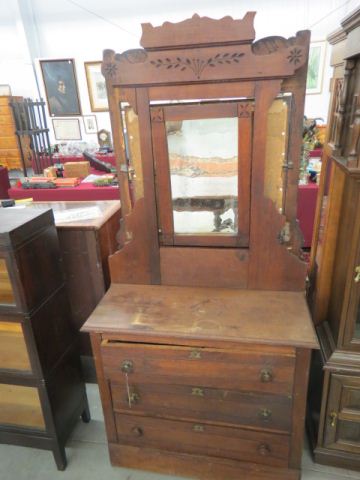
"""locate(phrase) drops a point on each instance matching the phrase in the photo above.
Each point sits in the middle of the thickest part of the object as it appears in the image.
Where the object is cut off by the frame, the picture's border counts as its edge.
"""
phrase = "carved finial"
(198, 31)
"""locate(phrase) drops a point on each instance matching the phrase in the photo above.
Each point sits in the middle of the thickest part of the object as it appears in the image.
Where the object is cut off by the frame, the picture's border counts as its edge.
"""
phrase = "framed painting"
(315, 72)
(90, 123)
(61, 87)
(66, 128)
(96, 87)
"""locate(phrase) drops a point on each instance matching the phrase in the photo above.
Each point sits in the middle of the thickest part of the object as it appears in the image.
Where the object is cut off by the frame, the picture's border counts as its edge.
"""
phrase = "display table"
(83, 192)
(57, 158)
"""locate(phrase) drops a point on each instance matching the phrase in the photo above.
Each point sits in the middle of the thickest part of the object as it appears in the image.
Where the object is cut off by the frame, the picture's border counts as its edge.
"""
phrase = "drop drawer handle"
(357, 274)
(266, 375)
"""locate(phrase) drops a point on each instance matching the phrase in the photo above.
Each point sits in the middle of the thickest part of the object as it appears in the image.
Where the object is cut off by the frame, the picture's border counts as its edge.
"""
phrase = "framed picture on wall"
(61, 87)
(5, 90)
(316, 63)
(66, 128)
(96, 87)
(90, 123)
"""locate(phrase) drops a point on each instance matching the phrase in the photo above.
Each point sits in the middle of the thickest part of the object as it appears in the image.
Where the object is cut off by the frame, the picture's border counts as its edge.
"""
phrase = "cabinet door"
(342, 423)
(352, 327)
(13, 351)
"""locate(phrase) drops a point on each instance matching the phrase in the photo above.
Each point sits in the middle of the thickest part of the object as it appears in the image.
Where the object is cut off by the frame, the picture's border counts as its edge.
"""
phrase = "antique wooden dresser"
(334, 289)
(202, 343)
(42, 394)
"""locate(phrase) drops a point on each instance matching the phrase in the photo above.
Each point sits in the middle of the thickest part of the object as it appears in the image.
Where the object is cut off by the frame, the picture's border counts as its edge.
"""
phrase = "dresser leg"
(60, 457)
(85, 416)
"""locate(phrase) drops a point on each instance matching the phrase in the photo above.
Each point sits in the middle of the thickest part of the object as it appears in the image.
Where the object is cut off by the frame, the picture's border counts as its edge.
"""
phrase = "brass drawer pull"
(195, 354)
(198, 428)
(137, 431)
(333, 417)
(265, 414)
(127, 366)
(264, 449)
(197, 392)
(266, 375)
(357, 276)
(134, 397)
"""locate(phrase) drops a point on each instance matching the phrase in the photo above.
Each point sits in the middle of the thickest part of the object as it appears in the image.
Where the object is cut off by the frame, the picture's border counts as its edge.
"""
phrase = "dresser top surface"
(218, 314)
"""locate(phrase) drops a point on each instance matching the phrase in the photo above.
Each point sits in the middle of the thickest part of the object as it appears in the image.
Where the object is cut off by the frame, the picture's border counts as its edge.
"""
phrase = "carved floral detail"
(110, 69)
(295, 56)
(157, 114)
(245, 109)
(197, 65)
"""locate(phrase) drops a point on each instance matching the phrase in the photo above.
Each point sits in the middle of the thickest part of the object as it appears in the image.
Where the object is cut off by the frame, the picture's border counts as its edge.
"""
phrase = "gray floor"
(88, 458)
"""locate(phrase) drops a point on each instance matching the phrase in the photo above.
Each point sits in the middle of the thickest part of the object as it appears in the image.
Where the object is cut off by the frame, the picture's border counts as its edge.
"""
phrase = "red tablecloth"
(306, 200)
(84, 191)
(307, 196)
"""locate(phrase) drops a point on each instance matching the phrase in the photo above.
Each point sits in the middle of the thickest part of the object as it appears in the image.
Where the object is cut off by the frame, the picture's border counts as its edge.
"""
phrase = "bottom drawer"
(20, 406)
(187, 437)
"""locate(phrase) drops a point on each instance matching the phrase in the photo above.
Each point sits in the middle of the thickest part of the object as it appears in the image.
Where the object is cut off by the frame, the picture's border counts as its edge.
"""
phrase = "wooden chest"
(10, 153)
(202, 382)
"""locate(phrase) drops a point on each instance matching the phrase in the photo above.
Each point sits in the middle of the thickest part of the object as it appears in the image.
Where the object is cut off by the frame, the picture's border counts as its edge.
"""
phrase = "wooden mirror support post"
(203, 341)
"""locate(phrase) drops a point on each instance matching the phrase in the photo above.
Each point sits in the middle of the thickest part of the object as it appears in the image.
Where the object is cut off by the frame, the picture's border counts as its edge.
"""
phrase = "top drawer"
(262, 369)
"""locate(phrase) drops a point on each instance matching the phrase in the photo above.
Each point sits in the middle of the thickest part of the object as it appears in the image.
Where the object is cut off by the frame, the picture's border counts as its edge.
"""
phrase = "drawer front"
(249, 369)
(13, 350)
(20, 406)
(267, 412)
(197, 438)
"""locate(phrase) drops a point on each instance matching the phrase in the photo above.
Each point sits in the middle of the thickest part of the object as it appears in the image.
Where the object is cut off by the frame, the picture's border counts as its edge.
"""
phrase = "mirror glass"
(276, 151)
(203, 157)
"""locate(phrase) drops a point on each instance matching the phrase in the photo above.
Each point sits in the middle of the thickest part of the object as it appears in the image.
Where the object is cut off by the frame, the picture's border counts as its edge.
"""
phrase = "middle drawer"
(268, 412)
(264, 369)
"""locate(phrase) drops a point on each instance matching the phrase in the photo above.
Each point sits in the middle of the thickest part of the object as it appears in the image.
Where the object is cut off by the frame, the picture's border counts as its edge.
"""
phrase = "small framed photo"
(96, 87)
(66, 128)
(61, 87)
(315, 72)
(90, 123)
(5, 90)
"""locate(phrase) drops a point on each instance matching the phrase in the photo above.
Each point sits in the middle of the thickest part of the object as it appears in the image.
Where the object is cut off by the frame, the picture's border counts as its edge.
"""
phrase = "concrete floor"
(88, 458)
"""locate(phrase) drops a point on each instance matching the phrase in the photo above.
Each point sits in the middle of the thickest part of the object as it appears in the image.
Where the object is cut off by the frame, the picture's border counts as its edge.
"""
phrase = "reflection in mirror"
(6, 290)
(203, 158)
(276, 151)
(131, 141)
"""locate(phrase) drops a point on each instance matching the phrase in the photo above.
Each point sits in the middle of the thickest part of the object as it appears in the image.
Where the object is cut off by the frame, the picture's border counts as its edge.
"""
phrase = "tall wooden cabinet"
(42, 394)
(202, 343)
(334, 289)
(10, 144)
